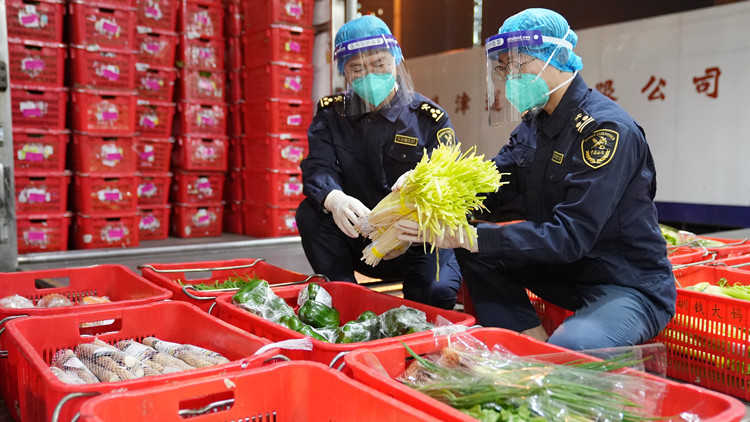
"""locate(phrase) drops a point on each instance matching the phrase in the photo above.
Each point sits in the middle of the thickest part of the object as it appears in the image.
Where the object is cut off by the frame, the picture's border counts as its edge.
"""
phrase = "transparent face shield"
(375, 74)
(515, 83)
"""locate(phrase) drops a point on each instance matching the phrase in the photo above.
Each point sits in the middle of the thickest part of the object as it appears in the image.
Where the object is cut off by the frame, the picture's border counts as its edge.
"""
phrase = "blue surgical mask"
(527, 91)
(374, 87)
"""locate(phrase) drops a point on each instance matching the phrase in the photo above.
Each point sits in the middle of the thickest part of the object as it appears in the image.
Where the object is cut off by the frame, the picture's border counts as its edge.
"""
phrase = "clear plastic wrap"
(15, 302)
(403, 320)
(180, 351)
(66, 360)
(262, 301)
(318, 293)
(54, 300)
(66, 376)
(91, 300)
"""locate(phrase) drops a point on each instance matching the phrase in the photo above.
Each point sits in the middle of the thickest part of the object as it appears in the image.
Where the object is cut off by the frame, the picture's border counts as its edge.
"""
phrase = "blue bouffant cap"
(366, 26)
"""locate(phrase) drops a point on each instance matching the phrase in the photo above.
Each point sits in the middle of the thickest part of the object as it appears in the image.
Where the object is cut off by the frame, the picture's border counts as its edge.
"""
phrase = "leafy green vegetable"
(230, 283)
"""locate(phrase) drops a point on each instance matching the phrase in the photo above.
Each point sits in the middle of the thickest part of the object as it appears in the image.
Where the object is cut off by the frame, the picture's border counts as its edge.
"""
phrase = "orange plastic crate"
(270, 221)
(233, 217)
(202, 86)
(157, 14)
(276, 188)
(201, 154)
(279, 80)
(278, 42)
(275, 152)
(106, 230)
(166, 275)
(35, 340)
(394, 358)
(200, 19)
(350, 300)
(99, 154)
(154, 118)
(103, 68)
(39, 150)
(153, 155)
(248, 402)
(42, 192)
(156, 48)
(201, 53)
(38, 107)
(154, 222)
(42, 233)
(105, 25)
(154, 83)
(197, 220)
(197, 188)
(260, 13)
(36, 63)
(153, 189)
(233, 191)
(205, 120)
(104, 112)
(41, 20)
(278, 116)
(95, 194)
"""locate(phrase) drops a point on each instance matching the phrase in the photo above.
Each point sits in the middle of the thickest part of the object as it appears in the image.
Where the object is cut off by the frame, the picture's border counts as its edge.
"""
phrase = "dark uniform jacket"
(588, 182)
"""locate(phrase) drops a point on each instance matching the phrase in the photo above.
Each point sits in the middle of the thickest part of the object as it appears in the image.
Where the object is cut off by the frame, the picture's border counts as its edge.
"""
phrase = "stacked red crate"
(276, 79)
(200, 155)
(38, 101)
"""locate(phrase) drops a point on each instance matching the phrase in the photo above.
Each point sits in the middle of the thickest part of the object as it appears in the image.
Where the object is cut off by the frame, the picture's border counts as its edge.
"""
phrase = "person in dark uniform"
(590, 243)
(360, 142)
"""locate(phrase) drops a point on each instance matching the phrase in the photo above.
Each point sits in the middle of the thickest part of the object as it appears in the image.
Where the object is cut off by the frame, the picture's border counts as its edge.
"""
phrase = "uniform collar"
(390, 113)
(552, 125)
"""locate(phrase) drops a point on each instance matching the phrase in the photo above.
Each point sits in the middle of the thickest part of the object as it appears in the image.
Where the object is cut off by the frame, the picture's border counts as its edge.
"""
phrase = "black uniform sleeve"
(320, 170)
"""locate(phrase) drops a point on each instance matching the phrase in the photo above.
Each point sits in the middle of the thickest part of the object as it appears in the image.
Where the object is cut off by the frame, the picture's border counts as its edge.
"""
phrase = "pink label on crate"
(116, 156)
(152, 84)
(109, 27)
(294, 120)
(29, 20)
(109, 115)
(208, 121)
(34, 156)
(204, 54)
(152, 48)
(293, 46)
(291, 189)
(32, 64)
(204, 218)
(204, 185)
(205, 84)
(294, 9)
(147, 155)
(31, 112)
(202, 19)
(37, 197)
(148, 122)
(293, 83)
(115, 234)
(293, 154)
(112, 76)
(152, 13)
(36, 236)
(112, 196)
(148, 220)
(149, 189)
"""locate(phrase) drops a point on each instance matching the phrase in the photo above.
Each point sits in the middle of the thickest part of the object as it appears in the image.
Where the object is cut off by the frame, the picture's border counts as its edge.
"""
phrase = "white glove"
(400, 182)
(410, 231)
(346, 211)
(395, 253)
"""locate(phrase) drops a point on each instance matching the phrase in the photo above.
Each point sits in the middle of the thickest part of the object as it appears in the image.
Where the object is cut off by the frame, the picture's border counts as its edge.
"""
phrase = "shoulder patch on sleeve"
(583, 123)
(431, 111)
(599, 148)
(329, 101)
(446, 136)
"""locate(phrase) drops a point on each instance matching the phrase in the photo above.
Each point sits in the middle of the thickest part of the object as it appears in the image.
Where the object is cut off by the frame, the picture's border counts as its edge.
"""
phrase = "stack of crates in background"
(233, 193)
(200, 154)
(103, 107)
(38, 102)
(156, 42)
(276, 80)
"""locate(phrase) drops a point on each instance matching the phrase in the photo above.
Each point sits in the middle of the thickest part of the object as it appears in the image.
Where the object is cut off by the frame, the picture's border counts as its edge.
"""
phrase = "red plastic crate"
(99, 68)
(350, 300)
(154, 83)
(203, 119)
(252, 403)
(235, 151)
(42, 192)
(36, 63)
(38, 107)
(197, 188)
(278, 42)
(41, 20)
(154, 118)
(96, 194)
(122, 286)
(42, 233)
(108, 113)
(233, 191)
(99, 155)
(740, 262)
(275, 152)
(166, 275)
(105, 25)
(279, 80)
(278, 116)
(682, 256)
(394, 358)
(235, 93)
(201, 53)
(157, 14)
(234, 53)
(156, 48)
(153, 155)
(234, 20)
(200, 20)
(203, 86)
(35, 340)
(154, 222)
(39, 150)
(153, 189)
(273, 188)
(201, 154)
(196, 220)
(109, 230)
(270, 221)
(236, 126)
(260, 13)
(233, 218)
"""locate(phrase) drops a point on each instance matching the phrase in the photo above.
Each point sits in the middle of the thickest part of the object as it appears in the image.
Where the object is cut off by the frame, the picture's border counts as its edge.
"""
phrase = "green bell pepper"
(403, 320)
(318, 315)
(310, 332)
(365, 328)
(246, 293)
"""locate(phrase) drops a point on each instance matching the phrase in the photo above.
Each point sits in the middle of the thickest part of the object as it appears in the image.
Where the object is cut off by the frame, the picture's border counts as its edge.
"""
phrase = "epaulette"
(431, 111)
(328, 101)
(583, 122)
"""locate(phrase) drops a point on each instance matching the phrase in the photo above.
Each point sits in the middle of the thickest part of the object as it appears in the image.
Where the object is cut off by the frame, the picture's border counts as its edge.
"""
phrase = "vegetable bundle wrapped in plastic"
(438, 194)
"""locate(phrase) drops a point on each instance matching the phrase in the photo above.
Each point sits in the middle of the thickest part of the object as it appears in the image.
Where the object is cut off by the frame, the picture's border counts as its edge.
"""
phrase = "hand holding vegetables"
(460, 239)
(346, 211)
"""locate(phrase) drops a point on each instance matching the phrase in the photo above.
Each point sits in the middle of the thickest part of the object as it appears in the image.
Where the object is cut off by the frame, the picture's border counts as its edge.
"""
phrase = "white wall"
(700, 144)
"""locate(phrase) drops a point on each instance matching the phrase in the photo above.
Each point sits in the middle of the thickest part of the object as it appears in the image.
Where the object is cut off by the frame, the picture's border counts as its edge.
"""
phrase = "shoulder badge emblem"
(599, 148)
(431, 111)
(328, 101)
(583, 123)
(446, 136)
